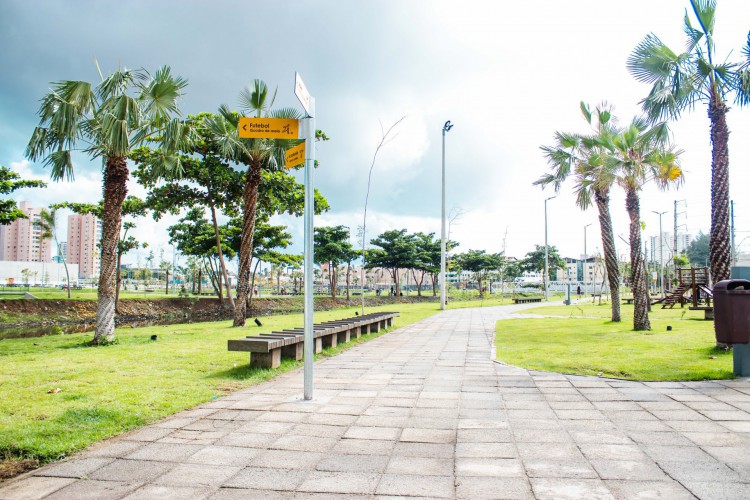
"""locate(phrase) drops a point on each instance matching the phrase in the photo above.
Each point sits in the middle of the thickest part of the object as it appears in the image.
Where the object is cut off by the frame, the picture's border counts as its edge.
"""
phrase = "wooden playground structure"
(693, 287)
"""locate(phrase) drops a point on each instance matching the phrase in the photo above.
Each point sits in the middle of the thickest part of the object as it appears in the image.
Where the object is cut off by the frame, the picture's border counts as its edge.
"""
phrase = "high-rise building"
(84, 235)
(21, 239)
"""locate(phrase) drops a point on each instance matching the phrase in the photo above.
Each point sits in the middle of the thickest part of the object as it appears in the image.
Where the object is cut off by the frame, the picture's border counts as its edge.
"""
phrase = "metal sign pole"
(309, 351)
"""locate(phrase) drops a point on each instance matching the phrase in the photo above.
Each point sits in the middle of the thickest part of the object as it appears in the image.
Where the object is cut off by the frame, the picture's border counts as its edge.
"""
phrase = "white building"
(36, 273)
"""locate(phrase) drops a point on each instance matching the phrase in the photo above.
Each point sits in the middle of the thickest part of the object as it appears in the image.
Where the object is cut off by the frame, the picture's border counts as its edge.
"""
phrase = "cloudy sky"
(507, 75)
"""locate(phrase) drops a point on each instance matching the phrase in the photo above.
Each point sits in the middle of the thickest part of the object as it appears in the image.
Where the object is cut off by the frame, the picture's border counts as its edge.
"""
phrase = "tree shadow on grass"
(245, 372)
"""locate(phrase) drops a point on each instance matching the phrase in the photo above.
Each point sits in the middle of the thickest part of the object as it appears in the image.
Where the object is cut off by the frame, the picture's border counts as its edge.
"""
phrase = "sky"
(507, 75)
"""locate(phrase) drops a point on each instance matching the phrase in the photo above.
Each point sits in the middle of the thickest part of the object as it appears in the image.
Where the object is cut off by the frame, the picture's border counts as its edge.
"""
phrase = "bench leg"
(270, 359)
(330, 340)
(709, 314)
(383, 324)
(356, 333)
(318, 345)
(343, 337)
(293, 351)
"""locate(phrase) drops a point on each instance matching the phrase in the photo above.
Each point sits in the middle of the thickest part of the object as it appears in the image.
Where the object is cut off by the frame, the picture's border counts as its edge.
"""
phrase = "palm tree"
(257, 155)
(698, 75)
(126, 109)
(583, 157)
(47, 223)
(641, 154)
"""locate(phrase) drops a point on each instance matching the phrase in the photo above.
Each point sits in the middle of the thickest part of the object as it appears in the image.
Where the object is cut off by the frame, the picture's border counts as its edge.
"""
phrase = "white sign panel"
(301, 92)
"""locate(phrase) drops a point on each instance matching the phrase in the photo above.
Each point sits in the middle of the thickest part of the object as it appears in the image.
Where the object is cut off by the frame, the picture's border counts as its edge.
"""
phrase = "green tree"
(257, 155)
(698, 250)
(480, 263)
(126, 109)
(534, 261)
(397, 251)
(583, 157)
(332, 247)
(641, 153)
(47, 224)
(678, 81)
(9, 182)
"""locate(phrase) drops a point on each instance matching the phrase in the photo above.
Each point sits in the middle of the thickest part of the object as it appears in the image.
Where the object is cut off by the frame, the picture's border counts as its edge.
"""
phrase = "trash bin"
(732, 311)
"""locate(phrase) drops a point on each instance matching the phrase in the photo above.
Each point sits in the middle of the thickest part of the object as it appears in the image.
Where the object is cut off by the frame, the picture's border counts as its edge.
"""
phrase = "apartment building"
(84, 235)
(21, 239)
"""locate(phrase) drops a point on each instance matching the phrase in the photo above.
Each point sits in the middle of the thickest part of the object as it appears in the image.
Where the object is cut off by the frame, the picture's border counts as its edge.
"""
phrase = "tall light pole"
(546, 252)
(446, 128)
(661, 252)
(585, 260)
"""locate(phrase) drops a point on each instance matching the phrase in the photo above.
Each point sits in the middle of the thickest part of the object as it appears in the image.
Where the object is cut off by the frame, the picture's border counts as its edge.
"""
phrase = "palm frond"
(651, 60)
(252, 99)
(586, 112)
(694, 35)
(160, 96)
(117, 83)
(289, 112)
(61, 165)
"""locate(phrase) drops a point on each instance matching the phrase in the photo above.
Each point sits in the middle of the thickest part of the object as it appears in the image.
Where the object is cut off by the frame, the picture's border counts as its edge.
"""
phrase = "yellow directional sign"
(295, 155)
(268, 128)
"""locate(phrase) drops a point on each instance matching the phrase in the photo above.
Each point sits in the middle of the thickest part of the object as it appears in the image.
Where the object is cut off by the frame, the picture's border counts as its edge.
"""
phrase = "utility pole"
(448, 125)
(661, 250)
(585, 260)
(733, 258)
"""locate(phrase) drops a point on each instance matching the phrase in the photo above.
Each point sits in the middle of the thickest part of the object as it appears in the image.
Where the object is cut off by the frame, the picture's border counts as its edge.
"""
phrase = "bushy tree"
(9, 182)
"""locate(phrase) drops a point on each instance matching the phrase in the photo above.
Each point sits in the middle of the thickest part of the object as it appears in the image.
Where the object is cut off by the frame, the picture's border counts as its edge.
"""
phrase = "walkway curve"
(424, 412)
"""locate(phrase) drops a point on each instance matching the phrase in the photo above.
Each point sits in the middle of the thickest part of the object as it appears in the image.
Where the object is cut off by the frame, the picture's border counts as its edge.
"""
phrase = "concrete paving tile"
(717, 490)
(484, 436)
(612, 452)
(258, 478)
(660, 438)
(362, 447)
(373, 433)
(632, 470)
(718, 438)
(677, 453)
(150, 434)
(95, 490)
(317, 430)
(340, 482)
(332, 419)
(737, 426)
(246, 440)
(304, 443)
(648, 490)
(734, 454)
(540, 436)
(481, 423)
(695, 426)
(534, 423)
(428, 466)
(543, 451)
(131, 470)
(492, 488)
(115, 449)
(435, 450)
(699, 471)
(409, 485)
(567, 469)
(414, 435)
(353, 463)
(597, 437)
(224, 455)
(167, 492)
(33, 487)
(570, 489)
(198, 475)
(77, 467)
(263, 427)
(431, 423)
(497, 450)
(286, 459)
(493, 467)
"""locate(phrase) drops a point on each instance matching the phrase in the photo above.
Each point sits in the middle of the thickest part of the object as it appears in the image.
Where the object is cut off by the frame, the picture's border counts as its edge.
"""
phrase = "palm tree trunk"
(348, 279)
(118, 279)
(249, 208)
(719, 246)
(115, 190)
(221, 255)
(610, 253)
(638, 278)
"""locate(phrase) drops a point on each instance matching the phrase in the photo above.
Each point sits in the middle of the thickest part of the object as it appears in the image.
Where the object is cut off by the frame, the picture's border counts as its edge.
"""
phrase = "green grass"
(586, 343)
(105, 391)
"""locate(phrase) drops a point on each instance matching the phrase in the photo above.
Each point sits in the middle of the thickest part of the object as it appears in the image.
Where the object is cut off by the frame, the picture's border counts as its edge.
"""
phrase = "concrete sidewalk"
(425, 412)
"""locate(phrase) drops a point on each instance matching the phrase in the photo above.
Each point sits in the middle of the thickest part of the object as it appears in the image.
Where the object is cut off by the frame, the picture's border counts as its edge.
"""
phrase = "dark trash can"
(732, 311)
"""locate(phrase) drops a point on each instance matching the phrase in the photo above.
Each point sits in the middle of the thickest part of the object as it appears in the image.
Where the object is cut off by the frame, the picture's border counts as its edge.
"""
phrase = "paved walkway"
(425, 412)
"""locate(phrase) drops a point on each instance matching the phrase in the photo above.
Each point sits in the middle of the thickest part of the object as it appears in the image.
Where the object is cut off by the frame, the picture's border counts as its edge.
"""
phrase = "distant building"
(63, 251)
(82, 248)
(20, 240)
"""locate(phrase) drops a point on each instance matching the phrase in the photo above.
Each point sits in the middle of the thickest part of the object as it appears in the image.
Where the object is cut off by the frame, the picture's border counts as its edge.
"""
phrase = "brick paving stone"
(353, 463)
(198, 475)
(224, 455)
(286, 459)
(493, 467)
(33, 487)
(74, 468)
(492, 488)
(95, 490)
(340, 482)
(717, 490)
(258, 478)
(414, 435)
(497, 450)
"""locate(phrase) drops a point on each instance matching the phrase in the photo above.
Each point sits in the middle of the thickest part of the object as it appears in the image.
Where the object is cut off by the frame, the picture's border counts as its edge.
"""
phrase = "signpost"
(268, 128)
(295, 155)
(308, 133)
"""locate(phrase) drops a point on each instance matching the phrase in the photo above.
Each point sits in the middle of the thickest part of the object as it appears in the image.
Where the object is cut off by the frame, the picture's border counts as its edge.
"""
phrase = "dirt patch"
(10, 468)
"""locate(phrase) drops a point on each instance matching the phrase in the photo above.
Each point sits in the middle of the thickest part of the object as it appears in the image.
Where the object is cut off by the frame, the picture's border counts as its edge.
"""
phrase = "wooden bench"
(267, 349)
(708, 311)
(526, 300)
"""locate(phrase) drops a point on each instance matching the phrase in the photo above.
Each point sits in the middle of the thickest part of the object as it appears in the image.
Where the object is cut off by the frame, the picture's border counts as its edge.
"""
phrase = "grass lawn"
(105, 391)
(585, 342)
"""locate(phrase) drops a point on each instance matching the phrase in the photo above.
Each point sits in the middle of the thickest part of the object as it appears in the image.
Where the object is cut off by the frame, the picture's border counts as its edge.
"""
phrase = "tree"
(332, 247)
(396, 252)
(126, 244)
(534, 261)
(678, 81)
(583, 157)
(480, 263)
(257, 155)
(698, 250)
(641, 153)
(9, 182)
(47, 223)
(126, 109)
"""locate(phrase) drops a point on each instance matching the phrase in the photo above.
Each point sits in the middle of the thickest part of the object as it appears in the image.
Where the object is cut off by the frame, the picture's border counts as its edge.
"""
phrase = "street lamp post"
(661, 252)
(585, 260)
(546, 252)
(446, 128)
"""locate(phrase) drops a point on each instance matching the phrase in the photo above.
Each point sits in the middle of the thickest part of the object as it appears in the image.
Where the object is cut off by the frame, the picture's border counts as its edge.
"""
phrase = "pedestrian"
(578, 291)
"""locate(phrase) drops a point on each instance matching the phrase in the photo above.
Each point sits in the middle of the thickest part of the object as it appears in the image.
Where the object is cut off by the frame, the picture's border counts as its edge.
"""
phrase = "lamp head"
(448, 125)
